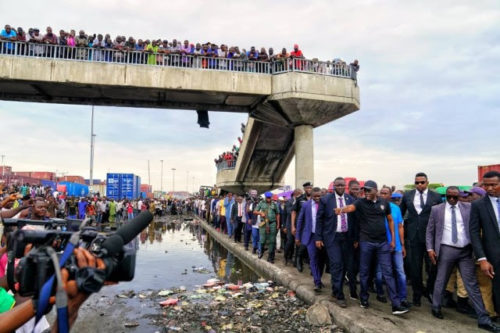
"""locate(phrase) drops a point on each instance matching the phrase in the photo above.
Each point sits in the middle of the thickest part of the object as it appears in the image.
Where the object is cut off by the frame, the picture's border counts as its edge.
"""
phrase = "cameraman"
(15, 318)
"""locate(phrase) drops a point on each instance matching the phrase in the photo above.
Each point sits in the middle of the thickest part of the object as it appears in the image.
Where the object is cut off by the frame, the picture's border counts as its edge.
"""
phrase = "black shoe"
(300, 266)
(261, 254)
(270, 259)
(437, 313)
(354, 296)
(254, 250)
(317, 288)
(287, 261)
(382, 299)
(489, 327)
(321, 285)
(246, 248)
(448, 301)
(341, 302)
(406, 304)
(399, 310)
(464, 307)
(416, 302)
(364, 304)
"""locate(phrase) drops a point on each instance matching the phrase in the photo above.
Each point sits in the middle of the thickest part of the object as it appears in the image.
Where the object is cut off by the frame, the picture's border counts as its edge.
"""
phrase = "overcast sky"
(429, 85)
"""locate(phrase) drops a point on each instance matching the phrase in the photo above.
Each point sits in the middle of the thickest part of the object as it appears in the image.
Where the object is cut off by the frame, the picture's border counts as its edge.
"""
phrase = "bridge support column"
(304, 155)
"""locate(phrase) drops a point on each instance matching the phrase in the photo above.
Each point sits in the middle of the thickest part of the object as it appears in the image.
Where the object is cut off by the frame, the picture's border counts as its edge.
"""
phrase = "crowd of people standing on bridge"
(440, 245)
(175, 52)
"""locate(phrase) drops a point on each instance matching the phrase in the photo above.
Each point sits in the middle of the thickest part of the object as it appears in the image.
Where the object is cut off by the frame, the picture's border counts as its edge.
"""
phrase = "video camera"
(33, 270)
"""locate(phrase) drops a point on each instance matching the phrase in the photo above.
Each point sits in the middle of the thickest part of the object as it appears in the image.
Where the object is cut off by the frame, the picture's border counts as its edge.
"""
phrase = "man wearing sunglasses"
(448, 244)
(417, 203)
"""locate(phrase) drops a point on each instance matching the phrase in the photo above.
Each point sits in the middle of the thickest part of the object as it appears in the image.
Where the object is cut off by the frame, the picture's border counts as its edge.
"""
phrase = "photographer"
(22, 313)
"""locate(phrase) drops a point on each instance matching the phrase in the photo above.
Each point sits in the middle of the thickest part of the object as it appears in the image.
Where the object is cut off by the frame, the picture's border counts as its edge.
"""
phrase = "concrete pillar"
(304, 155)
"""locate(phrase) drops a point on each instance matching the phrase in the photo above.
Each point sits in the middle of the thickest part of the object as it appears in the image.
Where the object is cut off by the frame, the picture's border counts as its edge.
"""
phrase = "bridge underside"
(283, 108)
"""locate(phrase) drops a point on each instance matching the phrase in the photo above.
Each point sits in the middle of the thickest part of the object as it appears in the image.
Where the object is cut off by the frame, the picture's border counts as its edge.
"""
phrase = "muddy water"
(172, 253)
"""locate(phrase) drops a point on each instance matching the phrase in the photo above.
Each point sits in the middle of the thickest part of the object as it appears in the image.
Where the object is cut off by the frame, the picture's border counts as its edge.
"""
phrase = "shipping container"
(43, 175)
(7, 171)
(146, 188)
(113, 186)
(75, 189)
(150, 195)
(143, 195)
(72, 179)
(48, 183)
(95, 181)
(482, 169)
(122, 185)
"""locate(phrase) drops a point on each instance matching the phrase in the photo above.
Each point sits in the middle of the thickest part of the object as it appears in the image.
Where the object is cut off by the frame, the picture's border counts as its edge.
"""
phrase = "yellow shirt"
(222, 208)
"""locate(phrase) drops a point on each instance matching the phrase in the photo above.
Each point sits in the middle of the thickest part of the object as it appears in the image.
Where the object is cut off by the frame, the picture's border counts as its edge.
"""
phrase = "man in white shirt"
(448, 244)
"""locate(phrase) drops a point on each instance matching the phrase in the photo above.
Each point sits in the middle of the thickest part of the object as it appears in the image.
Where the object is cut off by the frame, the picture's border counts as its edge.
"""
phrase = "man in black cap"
(300, 250)
(373, 241)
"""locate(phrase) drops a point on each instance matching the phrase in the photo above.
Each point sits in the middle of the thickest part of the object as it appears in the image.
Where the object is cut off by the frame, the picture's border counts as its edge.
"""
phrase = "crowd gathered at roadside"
(99, 47)
(444, 246)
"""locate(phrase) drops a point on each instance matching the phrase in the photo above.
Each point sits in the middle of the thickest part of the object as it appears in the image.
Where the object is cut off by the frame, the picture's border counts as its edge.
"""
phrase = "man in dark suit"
(238, 217)
(338, 234)
(417, 203)
(290, 238)
(448, 244)
(485, 232)
(306, 234)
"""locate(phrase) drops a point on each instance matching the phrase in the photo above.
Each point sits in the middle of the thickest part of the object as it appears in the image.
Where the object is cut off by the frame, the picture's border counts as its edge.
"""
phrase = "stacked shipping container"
(123, 185)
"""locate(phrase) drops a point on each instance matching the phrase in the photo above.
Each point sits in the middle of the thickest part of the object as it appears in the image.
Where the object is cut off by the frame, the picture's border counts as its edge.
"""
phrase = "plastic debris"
(169, 302)
(165, 293)
(131, 324)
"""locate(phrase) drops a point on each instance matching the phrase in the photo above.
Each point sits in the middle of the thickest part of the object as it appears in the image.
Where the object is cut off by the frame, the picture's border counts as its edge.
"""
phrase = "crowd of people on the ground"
(367, 235)
(99, 47)
(440, 245)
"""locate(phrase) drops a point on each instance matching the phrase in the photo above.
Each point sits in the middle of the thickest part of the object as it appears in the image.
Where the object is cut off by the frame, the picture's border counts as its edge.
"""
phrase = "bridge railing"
(226, 165)
(103, 55)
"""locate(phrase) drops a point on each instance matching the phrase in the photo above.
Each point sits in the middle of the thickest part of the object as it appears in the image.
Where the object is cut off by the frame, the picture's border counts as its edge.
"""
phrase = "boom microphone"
(127, 233)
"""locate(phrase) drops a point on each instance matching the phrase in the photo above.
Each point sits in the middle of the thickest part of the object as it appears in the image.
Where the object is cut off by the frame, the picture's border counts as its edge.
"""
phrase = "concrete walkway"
(377, 318)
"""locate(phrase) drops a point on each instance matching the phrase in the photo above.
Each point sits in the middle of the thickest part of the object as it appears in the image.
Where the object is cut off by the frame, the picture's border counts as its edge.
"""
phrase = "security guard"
(300, 250)
(270, 223)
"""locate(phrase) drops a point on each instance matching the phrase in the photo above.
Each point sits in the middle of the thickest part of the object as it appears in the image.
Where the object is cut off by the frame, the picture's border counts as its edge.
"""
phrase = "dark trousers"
(238, 226)
(314, 261)
(283, 238)
(247, 234)
(289, 246)
(340, 254)
(450, 256)
(222, 223)
(417, 254)
(383, 252)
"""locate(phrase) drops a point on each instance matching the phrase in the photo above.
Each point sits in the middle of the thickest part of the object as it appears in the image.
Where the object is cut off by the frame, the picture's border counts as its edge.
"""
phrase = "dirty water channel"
(203, 287)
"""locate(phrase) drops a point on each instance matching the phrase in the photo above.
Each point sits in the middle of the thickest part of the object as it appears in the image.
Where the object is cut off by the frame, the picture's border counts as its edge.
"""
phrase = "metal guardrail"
(104, 55)
(226, 165)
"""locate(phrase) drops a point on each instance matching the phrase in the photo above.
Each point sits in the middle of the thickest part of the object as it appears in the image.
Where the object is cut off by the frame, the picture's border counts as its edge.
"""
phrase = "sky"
(429, 85)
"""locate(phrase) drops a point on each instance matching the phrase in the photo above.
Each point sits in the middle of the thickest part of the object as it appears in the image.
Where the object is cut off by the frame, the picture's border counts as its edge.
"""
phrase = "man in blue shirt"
(8, 34)
(397, 255)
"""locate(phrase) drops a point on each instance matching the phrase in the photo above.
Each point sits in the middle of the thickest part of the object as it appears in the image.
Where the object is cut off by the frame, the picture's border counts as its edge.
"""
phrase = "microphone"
(114, 243)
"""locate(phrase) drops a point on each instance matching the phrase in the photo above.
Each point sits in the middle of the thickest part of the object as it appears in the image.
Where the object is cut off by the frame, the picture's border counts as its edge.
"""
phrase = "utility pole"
(3, 166)
(173, 179)
(187, 181)
(92, 137)
(161, 177)
(149, 175)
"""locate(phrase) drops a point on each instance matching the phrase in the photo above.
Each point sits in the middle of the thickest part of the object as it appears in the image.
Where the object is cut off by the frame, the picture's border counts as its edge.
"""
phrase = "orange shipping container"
(482, 169)
(47, 175)
(72, 179)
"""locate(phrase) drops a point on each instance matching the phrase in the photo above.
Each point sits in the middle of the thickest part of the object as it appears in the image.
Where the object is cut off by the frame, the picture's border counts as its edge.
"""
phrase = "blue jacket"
(304, 231)
(326, 221)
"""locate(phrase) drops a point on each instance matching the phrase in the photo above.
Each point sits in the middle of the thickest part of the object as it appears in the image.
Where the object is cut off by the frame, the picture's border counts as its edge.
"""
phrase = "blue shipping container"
(75, 190)
(48, 183)
(113, 186)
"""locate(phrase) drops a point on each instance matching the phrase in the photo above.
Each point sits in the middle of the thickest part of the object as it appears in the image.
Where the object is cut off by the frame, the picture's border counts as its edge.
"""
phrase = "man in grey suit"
(448, 244)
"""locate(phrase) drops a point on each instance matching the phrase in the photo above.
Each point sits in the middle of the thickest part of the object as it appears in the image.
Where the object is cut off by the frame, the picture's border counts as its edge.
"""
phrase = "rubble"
(318, 315)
